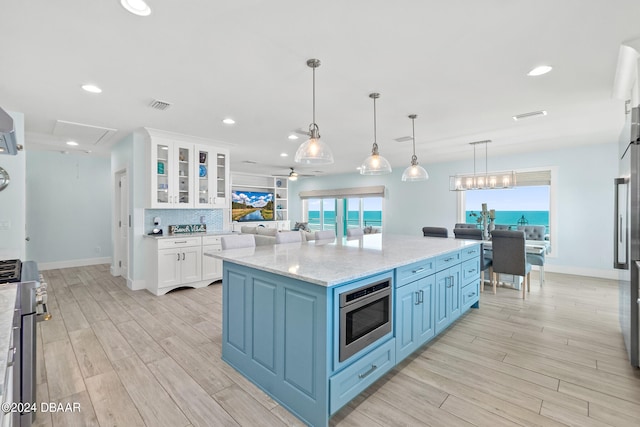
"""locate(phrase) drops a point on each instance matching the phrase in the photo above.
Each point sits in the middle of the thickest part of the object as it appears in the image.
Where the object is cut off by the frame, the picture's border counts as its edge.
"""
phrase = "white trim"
(73, 263)
(136, 285)
(582, 271)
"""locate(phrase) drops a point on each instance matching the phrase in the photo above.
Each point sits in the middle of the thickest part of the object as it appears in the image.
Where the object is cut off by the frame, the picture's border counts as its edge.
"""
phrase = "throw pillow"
(247, 229)
(301, 226)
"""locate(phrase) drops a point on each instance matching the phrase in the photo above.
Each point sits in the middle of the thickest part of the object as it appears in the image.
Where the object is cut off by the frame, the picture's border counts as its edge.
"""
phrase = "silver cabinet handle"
(471, 271)
(421, 296)
(448, 259)
(418, 270)
(417, 298)
(178, 256)
(177, 243)
(183, 256)
(471, 294)
(369, 372)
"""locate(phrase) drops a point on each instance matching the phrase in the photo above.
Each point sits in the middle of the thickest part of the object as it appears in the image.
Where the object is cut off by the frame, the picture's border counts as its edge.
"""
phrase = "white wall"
(583, 194)
(129, 154)
(12, 199)
(68, 209)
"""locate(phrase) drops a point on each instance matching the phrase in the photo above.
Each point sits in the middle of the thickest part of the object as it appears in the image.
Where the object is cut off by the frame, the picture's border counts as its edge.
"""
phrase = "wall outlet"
(156, 220)
(202, 219)
(5, 225)
(98, 249)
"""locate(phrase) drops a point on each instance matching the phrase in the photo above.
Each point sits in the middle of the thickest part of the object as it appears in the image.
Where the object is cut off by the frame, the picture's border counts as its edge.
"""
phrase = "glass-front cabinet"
(172, 174)
(213, 177)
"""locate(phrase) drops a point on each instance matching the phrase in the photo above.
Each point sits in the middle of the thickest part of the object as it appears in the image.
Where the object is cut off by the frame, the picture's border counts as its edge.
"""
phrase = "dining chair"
(236, 241)
(464, 225)
(435, 232)
(485, 260)
(325, 235)
(355, 232)
(509, 256)
(288, 237)
(535, 232)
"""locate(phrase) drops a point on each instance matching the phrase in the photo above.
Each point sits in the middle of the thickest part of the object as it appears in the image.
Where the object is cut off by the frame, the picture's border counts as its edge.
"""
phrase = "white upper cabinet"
(186, 174)
(212, 183)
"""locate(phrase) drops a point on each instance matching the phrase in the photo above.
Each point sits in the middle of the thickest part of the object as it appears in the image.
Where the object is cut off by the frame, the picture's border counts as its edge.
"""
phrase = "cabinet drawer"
(347, 384)
(470, 294)
(470, 270)
(412, 272)
(179, 242)
(447, 260)
(211, 240)
(470, 252)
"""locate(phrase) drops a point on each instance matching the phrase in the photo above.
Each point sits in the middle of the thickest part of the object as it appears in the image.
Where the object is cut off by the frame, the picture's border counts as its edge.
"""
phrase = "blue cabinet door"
(448, 302)
(424, 316)
(406, 306)
(414, 315)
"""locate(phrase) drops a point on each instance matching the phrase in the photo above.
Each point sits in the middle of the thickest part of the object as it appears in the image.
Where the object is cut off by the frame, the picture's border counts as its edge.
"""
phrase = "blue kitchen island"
(313, 324)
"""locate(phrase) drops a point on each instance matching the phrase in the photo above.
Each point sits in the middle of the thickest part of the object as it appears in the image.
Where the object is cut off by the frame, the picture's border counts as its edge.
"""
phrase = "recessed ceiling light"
(72, 143)
(284, 155)
(538, 71)
(137, 7)
(92, 88)
(228, 121)
(292, 136)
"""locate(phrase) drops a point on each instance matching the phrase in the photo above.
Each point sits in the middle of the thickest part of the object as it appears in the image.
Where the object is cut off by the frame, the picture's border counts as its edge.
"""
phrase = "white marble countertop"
(7, 305)
(329, 263)
(182, 235)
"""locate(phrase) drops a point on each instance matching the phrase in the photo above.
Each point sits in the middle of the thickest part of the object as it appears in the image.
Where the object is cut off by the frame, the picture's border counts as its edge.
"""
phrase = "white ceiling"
(460, 65)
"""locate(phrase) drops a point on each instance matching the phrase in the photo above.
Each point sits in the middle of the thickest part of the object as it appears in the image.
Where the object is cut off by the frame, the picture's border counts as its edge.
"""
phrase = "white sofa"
(267, 236)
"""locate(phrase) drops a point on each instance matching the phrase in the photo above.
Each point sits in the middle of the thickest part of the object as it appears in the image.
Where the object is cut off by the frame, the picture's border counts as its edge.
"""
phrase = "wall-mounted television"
(251, 206)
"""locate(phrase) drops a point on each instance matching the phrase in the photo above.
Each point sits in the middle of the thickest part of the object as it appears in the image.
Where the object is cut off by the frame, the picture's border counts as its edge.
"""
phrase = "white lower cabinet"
(173, 263)
(211, 267)
(181, 261)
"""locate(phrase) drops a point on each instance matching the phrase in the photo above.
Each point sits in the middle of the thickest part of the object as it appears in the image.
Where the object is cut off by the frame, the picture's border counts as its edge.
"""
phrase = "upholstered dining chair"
(535, 232)
(237, 241)
(288, 237)
(435, 232)
(509, 256)
(485, 260)
(325, 235)
(355, 232)
(465, 225)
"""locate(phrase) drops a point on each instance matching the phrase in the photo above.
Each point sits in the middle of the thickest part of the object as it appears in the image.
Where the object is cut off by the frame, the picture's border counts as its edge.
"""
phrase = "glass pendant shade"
(375, 164)
(414, 172)
(482, 181)
(314, 151)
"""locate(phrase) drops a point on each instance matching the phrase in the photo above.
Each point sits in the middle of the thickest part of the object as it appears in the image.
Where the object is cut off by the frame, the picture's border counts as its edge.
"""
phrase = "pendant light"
(414, 172)
(314, 151)
(482, 181)
(375, 164)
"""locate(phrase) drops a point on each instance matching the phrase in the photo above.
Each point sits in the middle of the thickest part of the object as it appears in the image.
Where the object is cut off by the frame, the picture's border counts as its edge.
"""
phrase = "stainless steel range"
(31, 306)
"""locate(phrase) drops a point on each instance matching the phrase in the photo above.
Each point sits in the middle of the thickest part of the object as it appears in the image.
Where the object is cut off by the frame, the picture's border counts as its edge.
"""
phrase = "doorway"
(122, 225)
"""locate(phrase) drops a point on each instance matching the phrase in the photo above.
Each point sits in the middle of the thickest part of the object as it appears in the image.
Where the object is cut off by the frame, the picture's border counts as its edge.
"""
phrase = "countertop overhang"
(337, 261)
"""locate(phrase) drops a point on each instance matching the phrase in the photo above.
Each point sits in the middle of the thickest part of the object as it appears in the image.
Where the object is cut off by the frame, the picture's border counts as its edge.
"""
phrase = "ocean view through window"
(358, 213)
(528, 205)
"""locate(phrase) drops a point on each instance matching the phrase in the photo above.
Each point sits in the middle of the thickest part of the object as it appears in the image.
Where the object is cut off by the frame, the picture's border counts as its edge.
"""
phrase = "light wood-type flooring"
(133, 359)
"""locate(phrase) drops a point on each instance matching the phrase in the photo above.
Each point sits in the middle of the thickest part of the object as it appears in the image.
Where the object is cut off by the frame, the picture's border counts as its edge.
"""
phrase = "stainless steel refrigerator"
(627, 239)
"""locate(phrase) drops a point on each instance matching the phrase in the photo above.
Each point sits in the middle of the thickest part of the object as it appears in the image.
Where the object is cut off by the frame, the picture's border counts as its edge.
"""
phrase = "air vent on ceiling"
(403, 139)
(249, 162)
(159, 105)
(529, 115)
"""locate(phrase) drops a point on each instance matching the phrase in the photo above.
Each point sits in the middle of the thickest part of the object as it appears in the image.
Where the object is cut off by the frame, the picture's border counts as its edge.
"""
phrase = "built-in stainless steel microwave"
(365, 317)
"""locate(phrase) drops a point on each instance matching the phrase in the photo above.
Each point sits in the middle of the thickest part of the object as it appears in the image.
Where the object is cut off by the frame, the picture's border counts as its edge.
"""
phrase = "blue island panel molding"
(300, 349)
(264, 324)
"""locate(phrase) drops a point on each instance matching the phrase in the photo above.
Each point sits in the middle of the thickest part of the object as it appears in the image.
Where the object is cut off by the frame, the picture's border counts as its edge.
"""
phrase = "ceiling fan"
(293, 175)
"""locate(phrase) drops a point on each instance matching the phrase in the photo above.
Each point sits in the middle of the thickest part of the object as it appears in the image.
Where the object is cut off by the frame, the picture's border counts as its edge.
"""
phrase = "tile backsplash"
(213, 218)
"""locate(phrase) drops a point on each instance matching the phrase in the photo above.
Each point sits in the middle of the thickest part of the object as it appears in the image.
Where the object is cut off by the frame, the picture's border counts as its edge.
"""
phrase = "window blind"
(344, 193)
(541, 177)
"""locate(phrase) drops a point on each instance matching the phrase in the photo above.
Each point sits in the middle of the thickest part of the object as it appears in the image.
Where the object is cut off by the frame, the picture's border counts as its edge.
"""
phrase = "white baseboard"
(582, 271)
(136, 285)
(73, 263)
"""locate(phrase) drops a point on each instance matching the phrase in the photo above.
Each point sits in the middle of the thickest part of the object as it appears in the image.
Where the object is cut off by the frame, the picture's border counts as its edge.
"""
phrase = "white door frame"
(121, 226)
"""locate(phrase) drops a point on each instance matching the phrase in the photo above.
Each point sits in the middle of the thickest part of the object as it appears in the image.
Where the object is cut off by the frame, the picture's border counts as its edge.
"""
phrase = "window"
(358, 207)
(529, 203)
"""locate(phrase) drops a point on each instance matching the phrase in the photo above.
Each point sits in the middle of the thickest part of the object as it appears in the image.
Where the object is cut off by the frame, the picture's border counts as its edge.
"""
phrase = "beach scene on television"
(251, 206)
